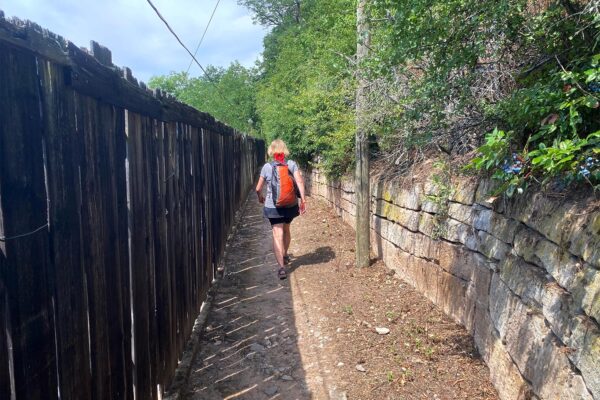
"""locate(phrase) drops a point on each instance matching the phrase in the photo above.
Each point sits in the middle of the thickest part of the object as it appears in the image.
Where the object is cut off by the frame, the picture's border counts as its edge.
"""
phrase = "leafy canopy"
(515, 82)
(229, 94)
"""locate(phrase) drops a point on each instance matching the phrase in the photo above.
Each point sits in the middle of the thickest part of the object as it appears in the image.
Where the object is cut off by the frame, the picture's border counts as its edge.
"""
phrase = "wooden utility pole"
(361, 176)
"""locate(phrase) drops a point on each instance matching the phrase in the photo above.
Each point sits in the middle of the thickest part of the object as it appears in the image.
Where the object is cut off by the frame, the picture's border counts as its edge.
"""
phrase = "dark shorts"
(281, 215)
(275, 221)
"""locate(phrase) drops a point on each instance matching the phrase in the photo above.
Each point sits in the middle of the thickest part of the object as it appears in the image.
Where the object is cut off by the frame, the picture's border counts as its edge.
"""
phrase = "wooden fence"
(115, 204)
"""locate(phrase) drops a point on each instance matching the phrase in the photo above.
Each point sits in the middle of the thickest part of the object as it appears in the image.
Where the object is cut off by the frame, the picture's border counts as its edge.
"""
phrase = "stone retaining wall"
(523, 276)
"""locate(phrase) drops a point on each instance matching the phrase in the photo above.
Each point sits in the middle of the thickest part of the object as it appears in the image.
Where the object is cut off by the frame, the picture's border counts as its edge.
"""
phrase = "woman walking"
(281, 202)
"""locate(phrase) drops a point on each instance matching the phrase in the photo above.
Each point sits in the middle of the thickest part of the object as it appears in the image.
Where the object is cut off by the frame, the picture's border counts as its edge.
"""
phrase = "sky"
(139, 40)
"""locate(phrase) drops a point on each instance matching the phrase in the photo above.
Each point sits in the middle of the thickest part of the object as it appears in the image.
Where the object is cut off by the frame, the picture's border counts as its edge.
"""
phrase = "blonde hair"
(278, 146)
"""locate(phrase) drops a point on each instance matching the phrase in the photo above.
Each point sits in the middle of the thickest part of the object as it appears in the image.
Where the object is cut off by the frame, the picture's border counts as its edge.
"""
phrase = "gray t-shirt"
(267, 173)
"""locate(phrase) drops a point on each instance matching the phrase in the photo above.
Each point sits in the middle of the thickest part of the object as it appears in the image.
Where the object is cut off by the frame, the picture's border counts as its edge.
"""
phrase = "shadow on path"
(249, 345)
(313, 336)
(321, 255)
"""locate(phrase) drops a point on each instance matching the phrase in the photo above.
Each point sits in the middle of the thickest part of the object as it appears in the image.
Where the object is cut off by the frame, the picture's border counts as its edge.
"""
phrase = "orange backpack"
(283, 186)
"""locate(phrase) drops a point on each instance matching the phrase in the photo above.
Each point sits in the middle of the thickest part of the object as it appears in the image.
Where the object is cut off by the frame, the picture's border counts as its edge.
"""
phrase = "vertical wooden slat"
(70, 303)
(184, 261)
(189, 259)
(121, 272)
(219, 229)
(104, 238)
(198, 205)
(5, 358)
(185, 228)
(170, 211)
(203, 207)
(209, 203)
(181, 239)
(161, 256)
(150, 190)
(177, 244)
(93, 236)
(193, 223)
(214, 231)
(139, 256)
(115, 213)
(24, 209)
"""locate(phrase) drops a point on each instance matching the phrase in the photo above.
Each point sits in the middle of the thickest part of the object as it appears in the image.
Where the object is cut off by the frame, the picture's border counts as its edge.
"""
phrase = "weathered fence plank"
(139, 255)
(115, 210)
(102, 132)
(197, 208)
(70, 302)
(121, 271)
(205, 281)
(162, 276)
(24, 211)
(151, 183)
(5, 356)
(170, 212)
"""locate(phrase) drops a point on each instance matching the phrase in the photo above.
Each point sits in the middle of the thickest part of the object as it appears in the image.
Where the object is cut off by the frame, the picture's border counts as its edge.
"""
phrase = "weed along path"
(315, 335)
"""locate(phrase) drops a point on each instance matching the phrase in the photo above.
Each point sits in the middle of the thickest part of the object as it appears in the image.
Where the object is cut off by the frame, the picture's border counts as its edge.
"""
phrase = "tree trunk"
(361, 177)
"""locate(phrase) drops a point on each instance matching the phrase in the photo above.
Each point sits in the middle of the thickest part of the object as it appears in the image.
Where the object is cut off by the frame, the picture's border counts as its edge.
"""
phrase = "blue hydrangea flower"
(590, 162)
(584, 172)
(594, 87)
(512, 167)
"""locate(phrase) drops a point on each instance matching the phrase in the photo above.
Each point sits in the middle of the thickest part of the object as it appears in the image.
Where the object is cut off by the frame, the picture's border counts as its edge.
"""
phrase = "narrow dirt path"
(313, 335)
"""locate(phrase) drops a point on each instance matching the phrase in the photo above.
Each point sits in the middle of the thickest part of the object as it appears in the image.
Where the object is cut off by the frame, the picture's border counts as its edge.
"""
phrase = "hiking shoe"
(281, 273)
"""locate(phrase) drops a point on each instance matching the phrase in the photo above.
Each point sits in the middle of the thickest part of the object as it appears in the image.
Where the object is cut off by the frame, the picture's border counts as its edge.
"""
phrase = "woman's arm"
(300, 182)
(259, 186)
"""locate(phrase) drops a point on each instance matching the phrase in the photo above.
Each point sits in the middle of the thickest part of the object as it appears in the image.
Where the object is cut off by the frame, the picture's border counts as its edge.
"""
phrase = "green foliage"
(562, 120)
(550, 120)
(229, 94)
(442, 73)
(527, 67)
(437, 51)
(274, 12)
(442, 180)
(390, 377)
(306, 92)
(494, 156)
(493, 152)
(429, 352)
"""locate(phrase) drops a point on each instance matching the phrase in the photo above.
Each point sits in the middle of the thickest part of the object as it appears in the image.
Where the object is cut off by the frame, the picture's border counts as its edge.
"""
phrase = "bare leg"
(278, 243)
(287, 238)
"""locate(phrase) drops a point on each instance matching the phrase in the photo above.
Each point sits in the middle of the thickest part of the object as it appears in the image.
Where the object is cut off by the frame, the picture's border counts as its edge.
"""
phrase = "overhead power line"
(189, 52)
(203, 34)
(174, 34)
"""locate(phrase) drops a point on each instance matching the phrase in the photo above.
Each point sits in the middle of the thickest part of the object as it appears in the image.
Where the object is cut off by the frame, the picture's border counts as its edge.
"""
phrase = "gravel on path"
(329, 331)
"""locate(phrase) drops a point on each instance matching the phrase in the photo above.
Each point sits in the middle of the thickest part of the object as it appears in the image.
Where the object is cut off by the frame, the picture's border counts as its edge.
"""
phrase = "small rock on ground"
(271, 390)
(382, 331)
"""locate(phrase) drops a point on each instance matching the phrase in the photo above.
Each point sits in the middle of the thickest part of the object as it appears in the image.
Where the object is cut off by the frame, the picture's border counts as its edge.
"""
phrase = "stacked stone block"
(522, 275)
